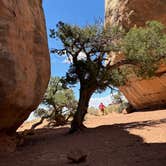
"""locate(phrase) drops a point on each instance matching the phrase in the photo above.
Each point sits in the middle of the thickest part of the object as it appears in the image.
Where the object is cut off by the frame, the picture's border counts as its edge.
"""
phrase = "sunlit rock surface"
(140, 93)
(24, 61)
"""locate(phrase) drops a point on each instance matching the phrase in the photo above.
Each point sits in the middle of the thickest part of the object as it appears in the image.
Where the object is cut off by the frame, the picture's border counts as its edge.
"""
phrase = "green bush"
(145, 46)
(93, 111)
(112, 108)
(118, 108)
(60, 103)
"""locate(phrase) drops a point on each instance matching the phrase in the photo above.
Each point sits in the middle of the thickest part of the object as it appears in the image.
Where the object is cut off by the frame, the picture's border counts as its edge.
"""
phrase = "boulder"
(24, 61)
(141, 93)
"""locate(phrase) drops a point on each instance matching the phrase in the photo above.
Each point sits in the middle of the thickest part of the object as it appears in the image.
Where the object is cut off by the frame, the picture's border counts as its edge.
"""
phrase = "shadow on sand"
(142, 124)
(109, 145)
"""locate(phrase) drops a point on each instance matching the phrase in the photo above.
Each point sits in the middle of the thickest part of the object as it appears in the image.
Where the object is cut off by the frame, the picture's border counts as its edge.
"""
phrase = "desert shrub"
(118, 108)
(59, 103)
(112, 108)
(93, 111)
(146, 46)
(122, 106)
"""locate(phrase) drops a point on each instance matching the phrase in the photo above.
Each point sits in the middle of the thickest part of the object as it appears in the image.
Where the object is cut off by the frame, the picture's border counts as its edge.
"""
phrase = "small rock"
(77, 156)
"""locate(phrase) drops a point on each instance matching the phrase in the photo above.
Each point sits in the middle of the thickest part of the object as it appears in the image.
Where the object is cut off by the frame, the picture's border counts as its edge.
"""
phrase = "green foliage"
(41, 112)
(143, 49)
(119, 76)
(117, 98)
(58, 94)
(118, 103)
(118, 108)
(60, 101)
(122, 106)
(93, 111)
(93, 42)
(112, 108)
(145, 46)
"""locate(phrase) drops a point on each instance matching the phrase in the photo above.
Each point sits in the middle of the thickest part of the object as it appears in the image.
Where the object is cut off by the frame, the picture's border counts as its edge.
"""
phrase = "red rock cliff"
(140, 93)
(24, 61)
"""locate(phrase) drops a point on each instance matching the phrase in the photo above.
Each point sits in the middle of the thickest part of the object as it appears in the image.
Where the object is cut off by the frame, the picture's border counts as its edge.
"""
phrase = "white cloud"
(81, 56)
(106, 100)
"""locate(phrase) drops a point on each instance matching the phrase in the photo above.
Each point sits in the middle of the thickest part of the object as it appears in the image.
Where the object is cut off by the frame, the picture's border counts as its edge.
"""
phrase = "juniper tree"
(87, 48)
(147, 47)
(117, 97)
(60, 102)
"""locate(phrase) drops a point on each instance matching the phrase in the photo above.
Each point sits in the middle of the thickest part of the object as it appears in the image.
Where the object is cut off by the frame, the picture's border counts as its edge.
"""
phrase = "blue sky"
(79, 12)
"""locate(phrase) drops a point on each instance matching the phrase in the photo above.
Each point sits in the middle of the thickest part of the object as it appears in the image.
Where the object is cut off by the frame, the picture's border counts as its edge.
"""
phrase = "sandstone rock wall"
(134, 12)
(24, 60)
(140, 93)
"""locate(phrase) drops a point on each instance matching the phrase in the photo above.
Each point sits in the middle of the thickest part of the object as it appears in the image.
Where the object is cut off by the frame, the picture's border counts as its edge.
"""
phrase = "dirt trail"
(137, 139)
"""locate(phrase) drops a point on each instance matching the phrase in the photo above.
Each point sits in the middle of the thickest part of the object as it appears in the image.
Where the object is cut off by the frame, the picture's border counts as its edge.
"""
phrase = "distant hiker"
(102, 108)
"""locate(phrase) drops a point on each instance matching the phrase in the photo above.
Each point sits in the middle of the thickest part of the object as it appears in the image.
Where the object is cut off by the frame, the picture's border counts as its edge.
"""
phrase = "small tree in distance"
(86, 48)
(117, 97)
(60, 102)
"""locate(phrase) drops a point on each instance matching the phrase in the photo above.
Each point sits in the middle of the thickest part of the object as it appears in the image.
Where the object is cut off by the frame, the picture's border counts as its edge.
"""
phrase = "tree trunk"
(77, 123)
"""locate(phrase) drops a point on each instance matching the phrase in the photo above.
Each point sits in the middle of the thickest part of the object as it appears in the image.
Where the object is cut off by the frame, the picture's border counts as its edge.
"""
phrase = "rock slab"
(24, 61)
(128, 13)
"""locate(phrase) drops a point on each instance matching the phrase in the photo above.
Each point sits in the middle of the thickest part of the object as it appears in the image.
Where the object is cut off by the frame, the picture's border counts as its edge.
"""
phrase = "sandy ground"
(137, 139)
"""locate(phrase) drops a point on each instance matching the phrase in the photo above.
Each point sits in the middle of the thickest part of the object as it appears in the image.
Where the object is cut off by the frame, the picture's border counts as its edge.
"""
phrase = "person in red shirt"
(102, 108)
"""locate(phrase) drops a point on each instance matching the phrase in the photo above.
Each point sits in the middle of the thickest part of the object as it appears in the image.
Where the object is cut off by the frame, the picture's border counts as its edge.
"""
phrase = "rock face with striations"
(24, 61)
(140, 93)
